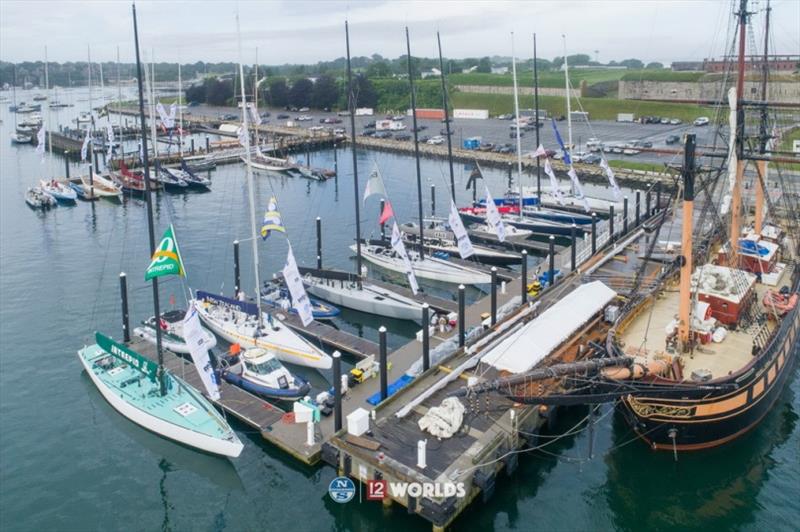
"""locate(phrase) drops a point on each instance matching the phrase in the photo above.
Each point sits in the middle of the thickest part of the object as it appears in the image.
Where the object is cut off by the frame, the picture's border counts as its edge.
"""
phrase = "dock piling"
(611, 224)
(66, 164)
(552, 255)
(647, 202)
(524, 277)
(625, 216)
(422, 454)
(494, 295)
(461, 317)
(207, 148)
(383, 363)
(319, 243)
(337, 391)
(638, 207)
(96, 162)
(573, 251)
(594, 233)
(433, 200)
(91, 180)
(236, 270)
(426, 338)
(335, 162)
(123, 292)
(192, 148)
(658, 195)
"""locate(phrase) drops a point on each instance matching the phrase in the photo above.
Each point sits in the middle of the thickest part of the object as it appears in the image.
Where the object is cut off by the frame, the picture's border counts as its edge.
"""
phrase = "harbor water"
(69, 462)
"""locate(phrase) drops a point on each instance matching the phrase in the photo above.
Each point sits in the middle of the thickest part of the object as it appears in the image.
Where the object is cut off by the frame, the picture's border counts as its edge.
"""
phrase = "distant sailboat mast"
(416, 145)
(351, 97)
(47, 116)
(516, 121)
(119, 104)
(180, 111)
(569, 105)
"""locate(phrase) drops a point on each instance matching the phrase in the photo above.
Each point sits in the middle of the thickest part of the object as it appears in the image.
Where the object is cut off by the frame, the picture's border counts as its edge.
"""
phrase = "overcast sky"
(309, 31)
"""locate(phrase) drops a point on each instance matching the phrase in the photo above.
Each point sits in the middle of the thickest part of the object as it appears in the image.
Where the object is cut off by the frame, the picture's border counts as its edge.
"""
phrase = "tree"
(632, 63)
(278, 94)
(366, 96)
(218, 91)
(654, 65)
(300, 93)
(379, 69)
(325, 93)
(484, 65)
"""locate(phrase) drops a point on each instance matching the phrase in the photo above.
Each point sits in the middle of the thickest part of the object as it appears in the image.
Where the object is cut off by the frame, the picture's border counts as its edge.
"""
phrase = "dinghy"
(20, 138)
(260, 372)
(36, 198)
(172, 338)
(58, 190)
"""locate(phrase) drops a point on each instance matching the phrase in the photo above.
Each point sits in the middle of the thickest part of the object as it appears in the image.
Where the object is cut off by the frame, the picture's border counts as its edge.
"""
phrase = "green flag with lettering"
(167, 257)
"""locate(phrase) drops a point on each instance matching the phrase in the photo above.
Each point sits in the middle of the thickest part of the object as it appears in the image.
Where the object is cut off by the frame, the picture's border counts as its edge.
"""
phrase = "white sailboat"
(430, 268)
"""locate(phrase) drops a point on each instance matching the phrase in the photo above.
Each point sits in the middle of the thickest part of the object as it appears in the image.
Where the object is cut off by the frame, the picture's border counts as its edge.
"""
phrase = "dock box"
(358, 422)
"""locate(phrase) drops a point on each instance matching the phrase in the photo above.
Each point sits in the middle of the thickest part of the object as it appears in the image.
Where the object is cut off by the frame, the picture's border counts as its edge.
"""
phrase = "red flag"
(387, 213)
(123, 168)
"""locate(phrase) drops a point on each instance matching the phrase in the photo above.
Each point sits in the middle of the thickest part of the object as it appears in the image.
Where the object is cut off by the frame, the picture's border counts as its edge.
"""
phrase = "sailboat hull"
(429, 268)
(369, 299)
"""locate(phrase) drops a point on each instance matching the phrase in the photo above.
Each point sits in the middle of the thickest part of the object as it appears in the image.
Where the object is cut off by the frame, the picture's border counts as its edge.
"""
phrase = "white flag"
(553, 181)
(254, 116)
(195, 339)
(611, 178)
(244, 136)
(40, 141)
(465, 248)
(294, 282)
(374, 185)
(85, 146)
(400, 249)
(540, 152)
(493, 217)
(578, 188)
(110, 134)
(165, 118)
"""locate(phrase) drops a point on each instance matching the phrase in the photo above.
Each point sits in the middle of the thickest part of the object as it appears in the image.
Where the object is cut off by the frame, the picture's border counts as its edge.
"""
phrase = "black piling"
(552, 270)
(383, 363)
(123, 292)
(594, 233)
(337, 391)
(192, 146)
(574, 235)
(433, 200)
(207, 145)
(510, 177)
(625, 215)
(319, 243)
(91, 180)
(524, 277)
(611, 224)
(658, 196)
(461, 317)
(426, 337)
(66, 164)
(647, 201)
(494, 295)
(237, 284)
(96, 161)
(335, 161)
(638, 207)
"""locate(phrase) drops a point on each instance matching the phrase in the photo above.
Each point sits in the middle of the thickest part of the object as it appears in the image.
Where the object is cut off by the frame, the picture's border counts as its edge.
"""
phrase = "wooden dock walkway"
(330, 336)
(437, 304)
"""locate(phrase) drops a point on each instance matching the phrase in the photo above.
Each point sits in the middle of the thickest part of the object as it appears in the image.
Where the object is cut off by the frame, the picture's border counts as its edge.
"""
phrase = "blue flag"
(567, 158)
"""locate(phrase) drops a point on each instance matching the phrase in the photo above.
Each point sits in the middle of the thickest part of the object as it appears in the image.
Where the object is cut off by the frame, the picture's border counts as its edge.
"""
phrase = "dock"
(330, 336)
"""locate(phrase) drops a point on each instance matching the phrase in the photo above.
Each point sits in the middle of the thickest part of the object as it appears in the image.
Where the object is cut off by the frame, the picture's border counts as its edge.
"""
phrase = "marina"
(235, 314)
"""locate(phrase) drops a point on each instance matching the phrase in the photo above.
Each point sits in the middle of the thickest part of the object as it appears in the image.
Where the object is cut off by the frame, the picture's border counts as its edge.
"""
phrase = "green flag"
(167, 257)
(130, 357)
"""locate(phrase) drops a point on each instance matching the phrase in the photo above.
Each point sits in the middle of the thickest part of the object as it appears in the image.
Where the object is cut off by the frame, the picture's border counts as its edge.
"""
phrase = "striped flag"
(272, 219)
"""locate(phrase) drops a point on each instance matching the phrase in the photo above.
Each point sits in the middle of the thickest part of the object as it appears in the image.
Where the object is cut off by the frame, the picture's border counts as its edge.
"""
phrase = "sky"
(283, 31)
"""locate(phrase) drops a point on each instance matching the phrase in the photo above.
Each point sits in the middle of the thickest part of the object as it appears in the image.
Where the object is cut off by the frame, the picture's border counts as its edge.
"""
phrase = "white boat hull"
(429, 268)
(370, 299)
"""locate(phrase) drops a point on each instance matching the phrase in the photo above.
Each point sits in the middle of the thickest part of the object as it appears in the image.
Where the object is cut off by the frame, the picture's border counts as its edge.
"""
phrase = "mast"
(249, 171)
(91, 110)
(119, 106)
(684, 308)
(566, 86)
(736, 202)
(536, 111)
(447, 121)
(352, 104)
(149, 201)
(255, 95)
(47, 116)
(516, 120)
(180, 111)
(761, 166)
(416, 144)
(14, 95)
(153, 102)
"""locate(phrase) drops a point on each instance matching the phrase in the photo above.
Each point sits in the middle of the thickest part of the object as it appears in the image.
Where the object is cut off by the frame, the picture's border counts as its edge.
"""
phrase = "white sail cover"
(732, 159)
(612, 180)
(465, 248)
(294, 282)
(578, 188)
(400, 249)
(553, 181)
(493, 217)
(196, 341)
(529, 345)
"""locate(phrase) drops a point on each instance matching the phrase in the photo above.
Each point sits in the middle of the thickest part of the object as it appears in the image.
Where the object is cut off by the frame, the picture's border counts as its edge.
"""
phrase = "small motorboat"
(20, 138)
(277, 296)
(260, 372)
(171, 324)
(36, 198)
(60, 191)
(83, 118)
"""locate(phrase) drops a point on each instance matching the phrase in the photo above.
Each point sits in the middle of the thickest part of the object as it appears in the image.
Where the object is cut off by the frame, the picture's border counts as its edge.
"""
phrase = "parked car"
(673, 139)
(592, 158)
(506, 149)
(343, 113)
(513, 134)
(368, 133)
(665, 120)
(304, 118)
(383, 135)
(283, 116)
(402, 136)
(444, 132)
(303, 110)
(339, 131)
(701, 121)
(265, 114)
(370, 124)
(438, 139)
(229, 116)
(646, 144)
(424, 139)
(486, 146)
(675, 121)
(398, 117)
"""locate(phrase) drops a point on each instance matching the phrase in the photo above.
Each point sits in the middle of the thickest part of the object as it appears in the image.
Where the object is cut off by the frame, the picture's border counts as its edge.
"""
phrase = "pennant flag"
(294, 282)
(374, 185)
(195, 339)
(465, 248)
(578, 188)
(493, 217)
(474, 176)
(567, 159)
(40, 142)
(400, 249)
(611, 178)
(553, 182)
(85, 147)
(167, 258)
(244, 136)
(540, 152)
(387, 212)
(272, 219)
(166, 120)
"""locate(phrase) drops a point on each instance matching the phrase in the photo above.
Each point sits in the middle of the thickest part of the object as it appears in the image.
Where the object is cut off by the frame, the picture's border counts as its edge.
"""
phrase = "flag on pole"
(198, 348)
(493, 217)
(578, 188)
(374, 185)
(167, 257)
(400, 249)
(553, 181)
(474, 175)
(294, 282)
(567, 158)
(40, 142)
(611, 178)
(386, 213)
(465, 248)
(166, 120)
(540, 152)
(254, 116)
(85, 147)
(272, 219)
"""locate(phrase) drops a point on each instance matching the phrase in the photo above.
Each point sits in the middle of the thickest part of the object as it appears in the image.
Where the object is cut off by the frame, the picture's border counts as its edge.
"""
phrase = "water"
(69, 462)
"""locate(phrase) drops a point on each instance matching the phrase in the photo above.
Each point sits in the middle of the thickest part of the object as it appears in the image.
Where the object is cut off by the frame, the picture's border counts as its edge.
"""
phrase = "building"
(499, 70)
(777, 63)
(687, 66)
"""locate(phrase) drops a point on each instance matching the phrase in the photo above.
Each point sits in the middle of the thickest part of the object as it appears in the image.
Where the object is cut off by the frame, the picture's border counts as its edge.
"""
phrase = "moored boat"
(37, 198)
(172, 336)
(260, 372)
(58, 190)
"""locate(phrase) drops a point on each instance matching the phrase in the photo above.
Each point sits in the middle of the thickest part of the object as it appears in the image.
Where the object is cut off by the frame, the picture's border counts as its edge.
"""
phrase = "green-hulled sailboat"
(137, 387)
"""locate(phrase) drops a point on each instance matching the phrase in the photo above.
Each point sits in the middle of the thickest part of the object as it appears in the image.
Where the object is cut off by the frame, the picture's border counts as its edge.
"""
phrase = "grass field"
(554, 79)
(636, 165)
(598, 108)
(786, 145)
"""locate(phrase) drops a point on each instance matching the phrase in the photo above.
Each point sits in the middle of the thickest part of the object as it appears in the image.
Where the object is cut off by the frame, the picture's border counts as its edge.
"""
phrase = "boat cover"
(530, 345)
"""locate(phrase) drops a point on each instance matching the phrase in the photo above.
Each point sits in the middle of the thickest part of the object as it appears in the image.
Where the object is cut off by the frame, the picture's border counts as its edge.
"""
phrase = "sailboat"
(172, 335)
(240, 322)
(16, 136)
(138, 388)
